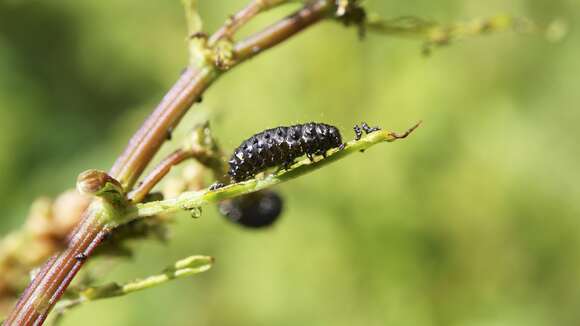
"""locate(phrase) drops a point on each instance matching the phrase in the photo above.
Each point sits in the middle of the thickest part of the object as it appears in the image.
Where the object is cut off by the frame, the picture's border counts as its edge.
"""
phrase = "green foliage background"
(471, 221)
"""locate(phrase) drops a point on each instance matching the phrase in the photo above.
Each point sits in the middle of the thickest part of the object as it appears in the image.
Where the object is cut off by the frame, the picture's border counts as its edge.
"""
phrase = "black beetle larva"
(271, 148)
(280, 147)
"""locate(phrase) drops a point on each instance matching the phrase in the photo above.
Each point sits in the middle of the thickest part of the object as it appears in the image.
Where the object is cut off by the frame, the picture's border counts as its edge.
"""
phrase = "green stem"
(439, 34)
(195, 199)
(185, 267)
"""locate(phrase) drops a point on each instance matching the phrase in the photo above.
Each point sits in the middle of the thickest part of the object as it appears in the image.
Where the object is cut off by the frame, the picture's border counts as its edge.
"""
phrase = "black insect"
(169, 134)
(256, 210)
(363, 127)
(81, 257)
(280, 147)
(368, 129)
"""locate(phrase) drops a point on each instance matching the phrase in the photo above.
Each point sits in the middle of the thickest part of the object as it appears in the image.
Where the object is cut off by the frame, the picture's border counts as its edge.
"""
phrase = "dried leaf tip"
(406, 133)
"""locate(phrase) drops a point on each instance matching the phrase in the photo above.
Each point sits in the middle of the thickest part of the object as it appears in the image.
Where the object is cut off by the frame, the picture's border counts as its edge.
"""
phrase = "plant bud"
(97, 183)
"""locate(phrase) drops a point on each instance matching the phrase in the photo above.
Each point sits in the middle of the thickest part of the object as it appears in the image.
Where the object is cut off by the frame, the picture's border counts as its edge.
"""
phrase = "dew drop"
(195, 212)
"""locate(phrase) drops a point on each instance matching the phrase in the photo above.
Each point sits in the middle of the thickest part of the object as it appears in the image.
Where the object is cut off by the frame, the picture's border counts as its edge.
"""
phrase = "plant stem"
(241, 18)
(160, 171)
(195, 199)
(50, 283)
(153, 133)
(40, 296)
(184, 267)
(282, 30)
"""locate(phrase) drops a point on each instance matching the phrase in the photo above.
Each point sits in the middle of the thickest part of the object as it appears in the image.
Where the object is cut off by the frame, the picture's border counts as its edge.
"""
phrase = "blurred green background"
(471, 221)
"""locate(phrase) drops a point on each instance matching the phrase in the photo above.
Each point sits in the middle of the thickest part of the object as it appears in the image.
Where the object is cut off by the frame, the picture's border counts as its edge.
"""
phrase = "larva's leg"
(285, 166)
(310, 157)
(321, 152)
(342, 146)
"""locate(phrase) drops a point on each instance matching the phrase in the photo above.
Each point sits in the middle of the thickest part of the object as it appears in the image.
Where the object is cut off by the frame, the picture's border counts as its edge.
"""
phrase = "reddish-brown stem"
(49, 284)
(242, 17)
(56, 274)
(160, 171)
(149, 138)
(36, 301)
(281, 30)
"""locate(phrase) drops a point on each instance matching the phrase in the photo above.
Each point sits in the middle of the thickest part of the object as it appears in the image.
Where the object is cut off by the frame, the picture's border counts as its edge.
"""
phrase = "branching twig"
(281, 30)
(434, 34)
(200, 146)
(185, 267)
(193, 200)
(235, 22)
(158, 173)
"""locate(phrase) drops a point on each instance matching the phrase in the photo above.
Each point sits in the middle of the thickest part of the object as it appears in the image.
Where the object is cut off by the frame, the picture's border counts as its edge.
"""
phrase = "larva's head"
(334, 136)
